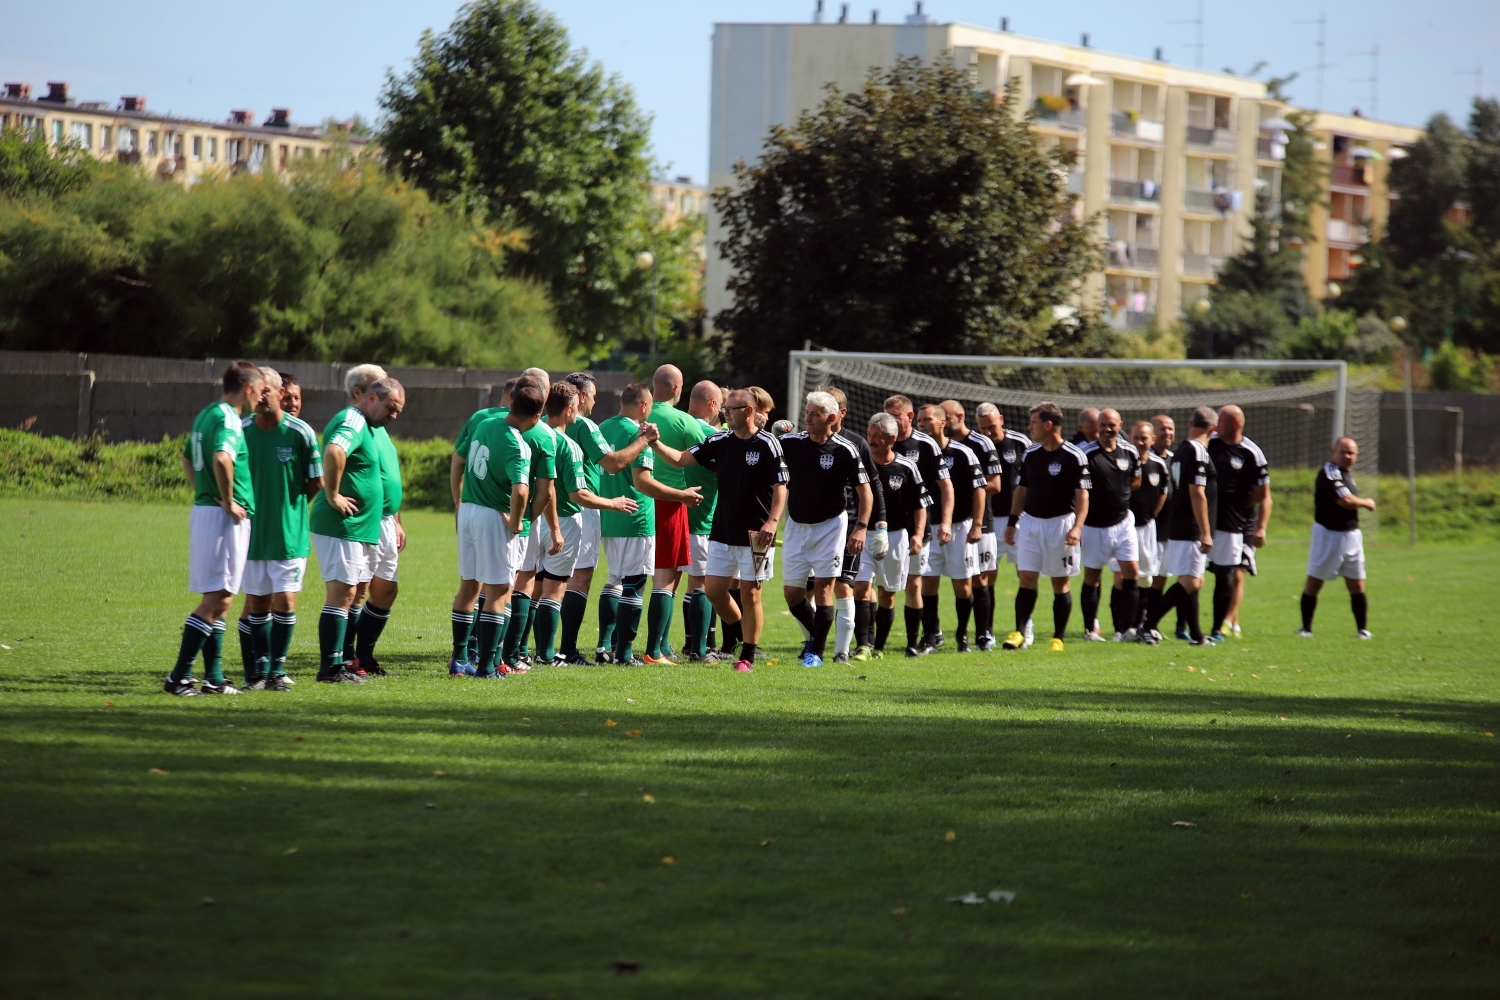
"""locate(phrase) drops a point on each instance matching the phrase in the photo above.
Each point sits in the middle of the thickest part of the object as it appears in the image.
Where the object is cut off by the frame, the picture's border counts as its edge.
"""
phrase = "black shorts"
(852, 560)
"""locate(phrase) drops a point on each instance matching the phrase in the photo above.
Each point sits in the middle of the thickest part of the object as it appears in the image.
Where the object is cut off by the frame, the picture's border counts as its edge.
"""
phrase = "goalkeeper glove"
(879, 542)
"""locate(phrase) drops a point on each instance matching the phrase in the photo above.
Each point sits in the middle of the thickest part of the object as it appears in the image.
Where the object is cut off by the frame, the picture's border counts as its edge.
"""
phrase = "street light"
(1398, 324)
(646, 261)
(1200, 309)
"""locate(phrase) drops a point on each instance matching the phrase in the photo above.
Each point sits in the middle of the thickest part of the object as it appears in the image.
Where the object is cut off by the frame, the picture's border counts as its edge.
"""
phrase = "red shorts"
(672, 535)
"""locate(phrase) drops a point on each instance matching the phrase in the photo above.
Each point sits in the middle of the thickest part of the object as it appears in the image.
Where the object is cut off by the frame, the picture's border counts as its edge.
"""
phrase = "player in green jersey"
(381, 589)
(705, 405)
(345, 518)
(285, 469)
(219, 529)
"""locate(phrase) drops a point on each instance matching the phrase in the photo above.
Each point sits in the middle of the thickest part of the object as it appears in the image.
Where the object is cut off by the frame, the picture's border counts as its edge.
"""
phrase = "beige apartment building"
(1169, 157)
(678, 198)
(172, 148)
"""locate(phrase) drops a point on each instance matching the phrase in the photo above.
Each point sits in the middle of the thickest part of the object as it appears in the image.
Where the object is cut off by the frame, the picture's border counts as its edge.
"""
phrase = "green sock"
(574, 604)
(520, 608)
(700, 613)
(463, 629)
(473, 653)
(491, 628)
(609, 614)
(213, 655)
(548, 614)
(371, 623)
(627, 623)
(260, 644)
(522, 648)
(195, 632)
(659, 622)
(689, 640)
(332, 624)
(282, 625)
(247, 648)
(351, 631)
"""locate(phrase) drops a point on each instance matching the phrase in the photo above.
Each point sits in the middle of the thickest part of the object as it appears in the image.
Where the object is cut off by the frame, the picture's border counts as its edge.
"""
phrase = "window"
(130, 140)
(83, 134)
(57, 131)
(213, 149)
(151, 143)
(234, 150)
(197, 147)
(106, 135)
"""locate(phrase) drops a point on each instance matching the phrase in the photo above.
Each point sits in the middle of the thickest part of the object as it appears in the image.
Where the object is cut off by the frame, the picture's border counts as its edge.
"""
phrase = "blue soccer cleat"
(461, 668)
(811, 660)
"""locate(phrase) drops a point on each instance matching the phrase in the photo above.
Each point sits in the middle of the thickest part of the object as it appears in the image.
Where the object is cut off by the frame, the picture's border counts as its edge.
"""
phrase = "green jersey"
(390, 472)
(217, 428)
(585, 433)
(701, 517)
(461, 444)
(360, 482)
(498, 459)
(282, 460)
(543, 442)
(680, 430)
(619, 431)
(570, 474)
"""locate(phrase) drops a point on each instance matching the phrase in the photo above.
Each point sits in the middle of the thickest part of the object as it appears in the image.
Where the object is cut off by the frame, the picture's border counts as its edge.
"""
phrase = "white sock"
(843, 624)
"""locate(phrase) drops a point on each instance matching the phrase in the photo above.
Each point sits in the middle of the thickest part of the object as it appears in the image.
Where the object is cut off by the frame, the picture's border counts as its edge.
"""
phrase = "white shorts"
(484, 545)
(566, 559)
(737, 562)
(917, 563)
(813, 550)
(342, 560)
(1228, 548)
(386, 554)
(986, 553)
(217, 549)
(527, 548)
(588, 543)
(888, 574)
(1002, 550)
(1336, 553)
(1041, 546)
(1184, 559)
(631, 556)
(1102, 546)
(264, 577)
(1150, 554)
(957, 558)
(698, 554)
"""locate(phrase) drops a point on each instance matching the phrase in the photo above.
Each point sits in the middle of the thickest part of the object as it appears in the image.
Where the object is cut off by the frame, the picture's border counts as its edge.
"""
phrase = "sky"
(323, 58)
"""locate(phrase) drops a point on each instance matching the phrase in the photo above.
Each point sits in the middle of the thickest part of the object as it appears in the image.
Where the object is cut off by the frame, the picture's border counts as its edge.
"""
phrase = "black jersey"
(1332, 485)
(748, 471)
(923, 450)
(1112, 473)
(851, 498)
(1154, 481)
(818, 475)
(1241, 468)
(989, 462)
(1009, 451)
(905, 493)
(1051, 477)
(1164, 519)
(1191, 466)
(967, 471)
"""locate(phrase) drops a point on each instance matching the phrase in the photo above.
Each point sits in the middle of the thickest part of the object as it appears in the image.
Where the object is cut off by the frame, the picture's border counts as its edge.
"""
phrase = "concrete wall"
(1449, 427)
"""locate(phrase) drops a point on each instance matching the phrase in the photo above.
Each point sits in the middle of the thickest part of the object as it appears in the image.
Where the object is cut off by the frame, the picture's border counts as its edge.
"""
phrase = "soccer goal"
(1294, 410)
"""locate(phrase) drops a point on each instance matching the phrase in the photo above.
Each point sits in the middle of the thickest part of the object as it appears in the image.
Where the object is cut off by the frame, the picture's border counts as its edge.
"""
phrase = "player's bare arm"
(1198, 497)
(1356, 503)
(333, 475)
(918, 531)
(1017, 505)
(1080, 511)
(617, 461)
(945, 511)
(519, 494)
(224, 476)
(1261, 495)
(976, 515)
(587, 498)
(676, 459)
(456, 479)
(656, 490)
(767, 533)
(400, 533)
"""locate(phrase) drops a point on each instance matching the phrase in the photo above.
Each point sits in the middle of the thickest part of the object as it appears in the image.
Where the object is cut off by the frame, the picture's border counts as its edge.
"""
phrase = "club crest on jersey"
(1010, 458)
(1236, 463)
(1122, 463)
(283, 454)
(1155, 478)
(1055, 469)
(948, 461)
(895, 482)
(751, 457)
(826, 461)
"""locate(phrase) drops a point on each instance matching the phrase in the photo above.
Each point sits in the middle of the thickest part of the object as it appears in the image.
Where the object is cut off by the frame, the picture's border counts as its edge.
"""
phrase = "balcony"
(1266, 149)
(1128, 127)
(1072, 119)
(1341, 231)
(1352, 176)
(1217, 139)
(1196, 200)
(1075, 182)
(1119, 253)
(1134, 190)
(1202, 264)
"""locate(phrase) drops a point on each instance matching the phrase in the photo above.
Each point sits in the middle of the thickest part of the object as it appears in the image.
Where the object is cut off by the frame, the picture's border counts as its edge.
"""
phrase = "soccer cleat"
(877, 654)
(1217, 638)
(862, 654)
(912, 652)
(1304, 633)
(841, 658)
(340, 677)
(279, 682)
(460, 668)
(985, 642)
(811, 660)
(1056, 645)
(1150, 637)
(577, 660)
(603, 656)
(259, 684)
(1235, 629)
(182, 689)
(369, 668)
(1181, 635)
(934, 642)
(1015, 640)
(223, 687)
(743, 666)
(659, 661)
(1205, 641)
(714, 656)
(961, 644)
(519, 667)
(497, 675)
(1092, 636)
(634, 661)
(1363, 633)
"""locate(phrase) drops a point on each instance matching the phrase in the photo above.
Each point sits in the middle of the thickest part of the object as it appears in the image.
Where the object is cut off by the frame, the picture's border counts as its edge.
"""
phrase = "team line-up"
(542, 492)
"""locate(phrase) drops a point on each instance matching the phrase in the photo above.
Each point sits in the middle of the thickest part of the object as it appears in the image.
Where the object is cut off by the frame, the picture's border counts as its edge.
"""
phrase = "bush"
(424, 473)
(91, 469)
(1453, 369)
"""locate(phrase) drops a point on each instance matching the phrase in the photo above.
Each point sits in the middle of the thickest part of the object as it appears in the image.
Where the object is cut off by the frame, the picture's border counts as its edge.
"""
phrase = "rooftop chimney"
(918, 17)
(133, 103)
(1085, 39)
(242, 117)
(57, 92)
(280, 118)
(1005, 24)
(18, 91)
(818, 13)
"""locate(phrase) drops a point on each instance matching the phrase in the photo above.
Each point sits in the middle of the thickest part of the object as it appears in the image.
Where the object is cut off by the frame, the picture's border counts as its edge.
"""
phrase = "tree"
(29, 166)
(913, 214)
(500, 116)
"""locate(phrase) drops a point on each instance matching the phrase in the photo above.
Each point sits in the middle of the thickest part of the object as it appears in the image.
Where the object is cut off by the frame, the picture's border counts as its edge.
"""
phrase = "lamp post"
(646, 261)
(1398, 324)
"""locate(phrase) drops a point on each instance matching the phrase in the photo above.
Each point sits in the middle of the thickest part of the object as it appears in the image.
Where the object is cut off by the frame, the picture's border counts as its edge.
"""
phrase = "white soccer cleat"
(1363, 633)
(1092, 636)
(1303, 633)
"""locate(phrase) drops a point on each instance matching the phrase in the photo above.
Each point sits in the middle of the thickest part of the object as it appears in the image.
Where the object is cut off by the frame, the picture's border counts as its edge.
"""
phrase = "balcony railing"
(1134, 190)
(1130, 319)
(1206, 264)
(1349, 175)
(1119, 253)
(1195, 200)
(1340, 231)
(1137, 128)
(1072, 118)
(1268, 150)
(1218, 139)
(1075, 182)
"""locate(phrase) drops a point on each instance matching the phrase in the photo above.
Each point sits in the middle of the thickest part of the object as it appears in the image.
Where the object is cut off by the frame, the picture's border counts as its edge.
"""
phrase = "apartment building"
(678, 198)
(172, 148)
(1168, 157)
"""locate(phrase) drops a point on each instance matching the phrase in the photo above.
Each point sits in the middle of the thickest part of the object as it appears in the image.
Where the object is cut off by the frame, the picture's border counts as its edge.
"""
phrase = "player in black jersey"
(1088, 427)
(854, 611)
(1109, 531)
(986, 550)
(752, 494)
(820, 465)
(907, 501)
(1009, 447)
(1047, 512)
(1147, 502)
(1190, 536)
(1244, 487)
(1338, 546)
(924, 451)
(954, 558)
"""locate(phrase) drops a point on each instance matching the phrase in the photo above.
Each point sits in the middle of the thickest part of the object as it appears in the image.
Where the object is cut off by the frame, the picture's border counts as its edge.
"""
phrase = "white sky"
(324, 58)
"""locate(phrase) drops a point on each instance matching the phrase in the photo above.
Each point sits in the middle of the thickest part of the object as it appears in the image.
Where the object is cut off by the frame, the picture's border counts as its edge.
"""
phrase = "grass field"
(791, 833)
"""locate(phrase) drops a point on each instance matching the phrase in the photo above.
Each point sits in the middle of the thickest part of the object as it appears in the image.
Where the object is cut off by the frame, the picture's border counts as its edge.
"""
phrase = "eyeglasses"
(742, 406)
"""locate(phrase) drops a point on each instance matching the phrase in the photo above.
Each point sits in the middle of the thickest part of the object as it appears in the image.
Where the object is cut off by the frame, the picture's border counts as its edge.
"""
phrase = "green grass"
(1347, 809)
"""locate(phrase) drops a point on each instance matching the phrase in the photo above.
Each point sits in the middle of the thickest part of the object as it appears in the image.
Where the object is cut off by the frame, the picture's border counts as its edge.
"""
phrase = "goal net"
(1293, 409)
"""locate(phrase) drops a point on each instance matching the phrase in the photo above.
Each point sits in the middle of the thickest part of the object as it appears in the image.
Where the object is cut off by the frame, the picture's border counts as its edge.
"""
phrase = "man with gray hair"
(906, 503)
(356, 380)
(1190, 534)
(705, 405)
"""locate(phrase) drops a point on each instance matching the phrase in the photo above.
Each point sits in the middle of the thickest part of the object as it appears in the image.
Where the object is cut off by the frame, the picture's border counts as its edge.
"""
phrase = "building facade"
(172, 148)
(1169, 158)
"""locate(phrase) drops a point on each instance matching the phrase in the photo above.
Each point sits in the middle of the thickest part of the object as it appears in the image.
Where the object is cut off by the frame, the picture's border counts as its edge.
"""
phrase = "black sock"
(864, 621)
(1309, 608)
(822, 621)
(1187, 604)
(913, 626)
(984, 610)
(1164, 602)
(963, 607)
(1125, 608)
(1025, 605)
(1360, 605)
(748, 651)
(931, 626)
(884, 619)
(733, 633)
(804, 612)
(1150, 598)
(1223, 592)
(1062, 610)
(1089, 598)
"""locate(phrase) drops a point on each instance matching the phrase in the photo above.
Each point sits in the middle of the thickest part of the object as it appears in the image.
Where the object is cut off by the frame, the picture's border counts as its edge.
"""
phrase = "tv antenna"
(1478, 74)
(1373, 79)
(1198, 44)
(1322, 22)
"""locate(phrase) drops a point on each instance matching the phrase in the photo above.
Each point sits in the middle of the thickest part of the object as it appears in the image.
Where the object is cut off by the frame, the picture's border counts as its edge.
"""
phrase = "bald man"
(1088, 426)
(679, 431)
(1240, 528)
(705, 405)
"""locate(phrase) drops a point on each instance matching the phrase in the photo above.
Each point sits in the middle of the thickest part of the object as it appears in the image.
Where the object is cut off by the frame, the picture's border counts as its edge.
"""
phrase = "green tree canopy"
(913, 214)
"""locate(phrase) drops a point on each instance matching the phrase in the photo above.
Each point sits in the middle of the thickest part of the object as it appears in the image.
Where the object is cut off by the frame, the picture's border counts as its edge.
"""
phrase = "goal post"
(1294, 410)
